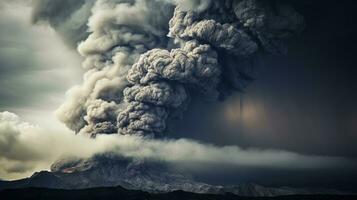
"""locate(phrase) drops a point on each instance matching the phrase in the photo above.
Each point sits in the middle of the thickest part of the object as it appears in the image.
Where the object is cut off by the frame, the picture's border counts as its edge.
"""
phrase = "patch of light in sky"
(59, 66)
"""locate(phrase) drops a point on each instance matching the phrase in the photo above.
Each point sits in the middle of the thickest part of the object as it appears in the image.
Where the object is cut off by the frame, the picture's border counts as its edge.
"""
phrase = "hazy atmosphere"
(224, 92)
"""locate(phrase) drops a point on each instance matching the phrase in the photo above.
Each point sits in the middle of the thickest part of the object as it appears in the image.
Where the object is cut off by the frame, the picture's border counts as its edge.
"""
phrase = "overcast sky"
(36, 66)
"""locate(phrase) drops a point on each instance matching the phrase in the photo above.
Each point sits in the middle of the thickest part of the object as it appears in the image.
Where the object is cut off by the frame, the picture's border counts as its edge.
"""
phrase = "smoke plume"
(25, 148)
(146, 58)
(68, 17)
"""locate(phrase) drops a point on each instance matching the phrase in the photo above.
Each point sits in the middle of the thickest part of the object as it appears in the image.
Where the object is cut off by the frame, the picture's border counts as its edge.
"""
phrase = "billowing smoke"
(119, 32)
(25, 148)
(68, 17)
(146, 58)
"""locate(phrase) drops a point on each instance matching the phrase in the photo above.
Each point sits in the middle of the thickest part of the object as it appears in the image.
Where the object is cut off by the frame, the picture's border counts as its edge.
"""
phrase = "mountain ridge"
(154, 177)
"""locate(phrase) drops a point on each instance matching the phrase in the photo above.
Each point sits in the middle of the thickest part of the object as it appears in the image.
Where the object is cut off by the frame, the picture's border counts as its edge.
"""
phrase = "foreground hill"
(110, 193)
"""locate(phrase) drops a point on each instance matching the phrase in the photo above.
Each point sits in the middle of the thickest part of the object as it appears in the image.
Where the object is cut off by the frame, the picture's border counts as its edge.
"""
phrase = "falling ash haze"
(146, 58)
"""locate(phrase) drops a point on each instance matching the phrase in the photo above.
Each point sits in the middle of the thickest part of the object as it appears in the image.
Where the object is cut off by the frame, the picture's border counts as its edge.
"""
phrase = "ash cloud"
(119, 32)
(25, 148)
(68, 18)
(128, 38)
(146, 58)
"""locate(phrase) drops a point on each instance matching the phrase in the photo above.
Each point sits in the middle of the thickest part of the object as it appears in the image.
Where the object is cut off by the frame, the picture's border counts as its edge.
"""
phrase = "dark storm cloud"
(146, 65)
(304, 101)
(69, 18)
(204, 36)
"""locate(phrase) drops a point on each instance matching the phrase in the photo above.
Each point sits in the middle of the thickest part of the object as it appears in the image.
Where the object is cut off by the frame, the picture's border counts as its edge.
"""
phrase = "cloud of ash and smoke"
(146, 58)
(25, 148)
(69, 18)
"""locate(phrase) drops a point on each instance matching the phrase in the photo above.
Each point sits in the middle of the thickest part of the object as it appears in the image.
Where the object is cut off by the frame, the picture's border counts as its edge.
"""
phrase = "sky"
(37, 67)
(300, 106)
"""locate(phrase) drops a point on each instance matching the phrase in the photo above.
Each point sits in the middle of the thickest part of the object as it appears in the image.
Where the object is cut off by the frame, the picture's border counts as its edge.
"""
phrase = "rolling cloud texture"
(146, 58)
(25, 148)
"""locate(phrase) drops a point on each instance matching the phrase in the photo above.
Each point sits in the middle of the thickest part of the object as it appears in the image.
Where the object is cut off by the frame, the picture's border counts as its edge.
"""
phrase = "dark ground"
(123, 194)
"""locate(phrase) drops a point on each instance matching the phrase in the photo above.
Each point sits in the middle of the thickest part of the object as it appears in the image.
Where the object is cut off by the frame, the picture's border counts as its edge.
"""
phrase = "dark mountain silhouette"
(155, 177)
(110, 193)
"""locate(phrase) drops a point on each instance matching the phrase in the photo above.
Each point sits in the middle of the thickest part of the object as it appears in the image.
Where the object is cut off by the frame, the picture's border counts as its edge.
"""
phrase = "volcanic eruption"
(146, 58)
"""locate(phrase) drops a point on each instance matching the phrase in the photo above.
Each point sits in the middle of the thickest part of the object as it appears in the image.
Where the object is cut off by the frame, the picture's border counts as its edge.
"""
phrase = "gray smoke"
(271, 22)
(145, 58)
(119, 32)
(22, 152)
(67, 17)
(159, 80)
